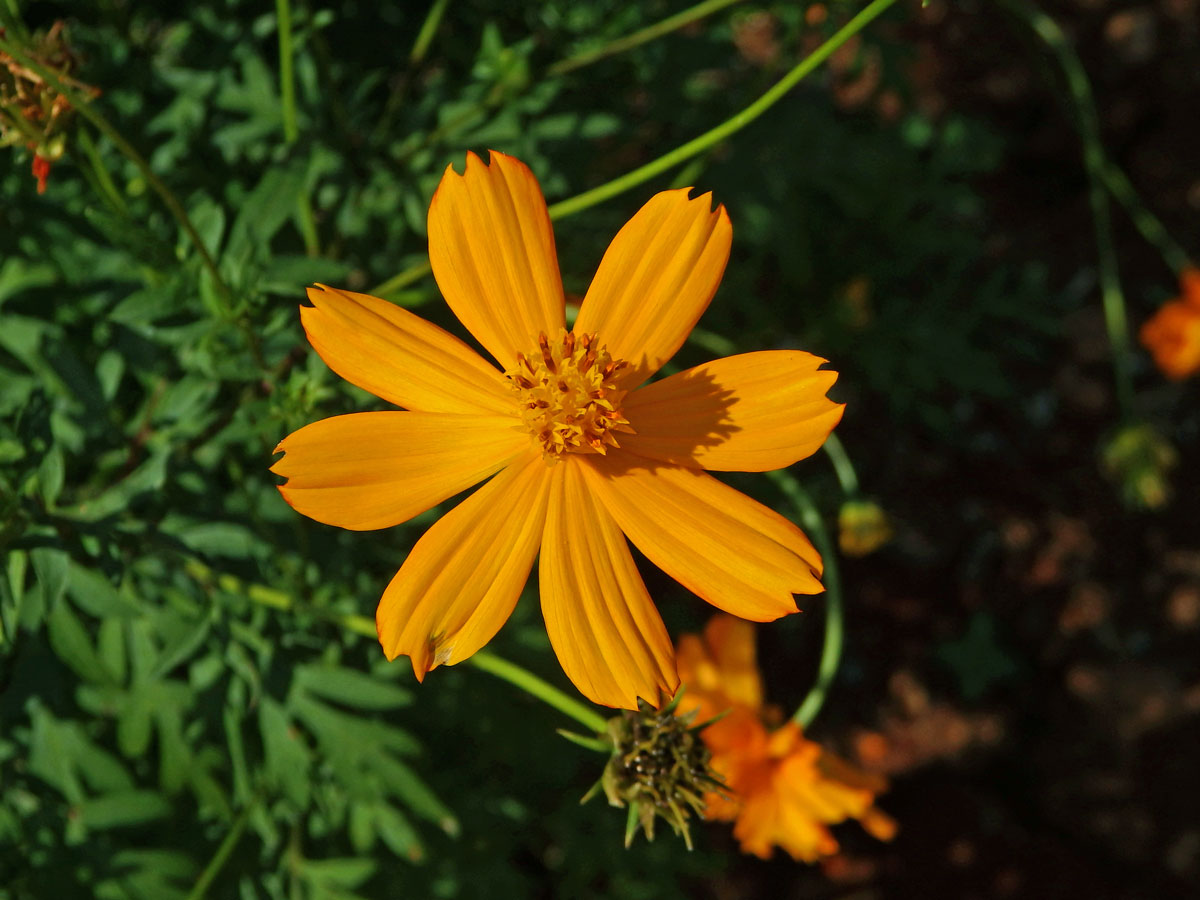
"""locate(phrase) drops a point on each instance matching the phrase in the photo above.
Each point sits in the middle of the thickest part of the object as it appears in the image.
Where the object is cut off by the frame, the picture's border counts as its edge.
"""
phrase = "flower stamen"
(567, 395)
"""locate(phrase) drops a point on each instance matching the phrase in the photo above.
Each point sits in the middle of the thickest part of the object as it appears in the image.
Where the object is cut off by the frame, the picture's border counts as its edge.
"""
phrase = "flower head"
(1172, 335)
(32, 112)
(863, 527)
(658, 768)
(783, 790)
(581, 452)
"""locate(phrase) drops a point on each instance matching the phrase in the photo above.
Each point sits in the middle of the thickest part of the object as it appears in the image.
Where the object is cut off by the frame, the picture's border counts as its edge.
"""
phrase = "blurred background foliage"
(181, 710)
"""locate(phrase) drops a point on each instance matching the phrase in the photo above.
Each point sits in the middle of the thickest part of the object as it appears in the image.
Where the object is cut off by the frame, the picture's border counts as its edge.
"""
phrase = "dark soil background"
(1042, 643)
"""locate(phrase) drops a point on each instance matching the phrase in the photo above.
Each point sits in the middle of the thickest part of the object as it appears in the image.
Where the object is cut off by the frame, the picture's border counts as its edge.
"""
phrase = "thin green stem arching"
(85, 108)
(204, 882)
(842, 466)
(536, 687)
(104, 180)
(642, 36)
(1147, 224)
(730, 126)
(692, 148)
(835, 627)
(425, 35)
(1112, 298)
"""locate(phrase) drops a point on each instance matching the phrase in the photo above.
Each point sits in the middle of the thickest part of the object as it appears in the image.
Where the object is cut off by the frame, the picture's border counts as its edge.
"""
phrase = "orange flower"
(1172, 335)
(784, 790)
(582, 452)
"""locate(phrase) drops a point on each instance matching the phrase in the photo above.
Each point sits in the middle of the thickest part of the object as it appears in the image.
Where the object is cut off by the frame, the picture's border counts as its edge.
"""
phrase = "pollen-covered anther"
(567, 395)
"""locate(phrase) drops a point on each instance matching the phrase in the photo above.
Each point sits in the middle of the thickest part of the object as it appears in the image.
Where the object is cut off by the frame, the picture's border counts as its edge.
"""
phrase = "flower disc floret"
(568, 396)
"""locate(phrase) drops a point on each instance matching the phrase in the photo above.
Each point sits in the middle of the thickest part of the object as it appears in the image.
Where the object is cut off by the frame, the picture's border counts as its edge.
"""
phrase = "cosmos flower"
(581, 451)
(1172, 335)
(782, 789)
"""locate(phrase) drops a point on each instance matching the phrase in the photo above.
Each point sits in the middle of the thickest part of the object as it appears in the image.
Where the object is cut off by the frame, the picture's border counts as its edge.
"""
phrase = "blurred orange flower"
(1172, 335)
(784, 790)
(583, 452)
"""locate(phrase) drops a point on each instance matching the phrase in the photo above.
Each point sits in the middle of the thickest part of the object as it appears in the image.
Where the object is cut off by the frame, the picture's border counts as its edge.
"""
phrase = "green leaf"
(347, 872)
(52, 567)
(50, 475)
(397, 832)
(351, 688)
(92, 592)
(73, 646)
(123, 809)
(287, 758)
(149, 476)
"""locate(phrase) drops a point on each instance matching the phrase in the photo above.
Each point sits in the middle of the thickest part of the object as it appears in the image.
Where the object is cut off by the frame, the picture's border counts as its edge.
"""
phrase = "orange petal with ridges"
(748, 413)
(463, 577)
(491, 247)
(400, 357)
(656, 279)
(718, 543)
(602, 624)
(378, 469)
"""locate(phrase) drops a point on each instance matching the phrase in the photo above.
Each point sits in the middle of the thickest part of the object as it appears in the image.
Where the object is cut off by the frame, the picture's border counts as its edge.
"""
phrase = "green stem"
(716, 344)
(835, 626)
(692, 148)
(223, 852)
(1145, 221)
(637, 38)
(428, 29)
(402, 280)
(108, 187)
(730, 126)
(85, 108)
(536, 687)
(689, 174)
(420, 47)
(1111, 296)
(842, 466)
(287, 83)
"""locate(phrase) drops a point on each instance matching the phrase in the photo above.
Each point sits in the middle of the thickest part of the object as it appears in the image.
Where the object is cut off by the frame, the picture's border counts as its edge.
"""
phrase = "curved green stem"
(835, 626)
(692, 148)
(1112, 298)
(287, 83)
(730, 126)
(85, 108)
(637, 38)
(536, 687)
(204, 882)
(1144, 221)
(842, 466)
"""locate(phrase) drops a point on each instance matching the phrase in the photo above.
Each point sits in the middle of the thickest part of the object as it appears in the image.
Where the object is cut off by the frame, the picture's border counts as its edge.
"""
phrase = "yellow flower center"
(567, 394)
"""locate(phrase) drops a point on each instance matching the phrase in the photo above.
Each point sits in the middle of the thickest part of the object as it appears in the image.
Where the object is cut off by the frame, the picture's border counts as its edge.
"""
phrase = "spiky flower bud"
(659, 767)
(1139, 460)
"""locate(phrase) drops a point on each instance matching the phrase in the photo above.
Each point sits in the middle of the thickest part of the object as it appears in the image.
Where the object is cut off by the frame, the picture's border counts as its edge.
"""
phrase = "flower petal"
(400, 357)
(601, 621)
(732, 643)
(748, 413)
(378, 469)
(718, 543)
(656, 279)
(462, 579)
(491, 247)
